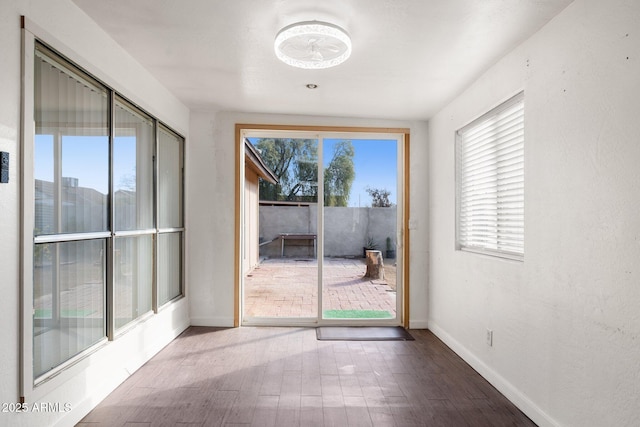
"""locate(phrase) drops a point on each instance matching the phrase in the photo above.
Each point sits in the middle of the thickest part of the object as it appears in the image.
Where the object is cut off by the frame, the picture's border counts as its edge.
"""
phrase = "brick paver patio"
(287, 287)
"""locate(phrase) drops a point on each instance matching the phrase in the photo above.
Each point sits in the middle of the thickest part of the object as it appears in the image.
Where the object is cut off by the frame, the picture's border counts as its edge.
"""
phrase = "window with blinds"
(490, 182)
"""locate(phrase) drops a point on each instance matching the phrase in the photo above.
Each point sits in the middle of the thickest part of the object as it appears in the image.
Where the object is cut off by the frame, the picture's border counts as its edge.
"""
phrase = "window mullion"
(154, 286)
(109, 309)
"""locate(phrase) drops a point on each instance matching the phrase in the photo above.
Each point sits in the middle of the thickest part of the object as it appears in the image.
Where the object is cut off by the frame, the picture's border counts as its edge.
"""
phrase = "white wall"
(566, 321)
(70, 31)
(212, 191)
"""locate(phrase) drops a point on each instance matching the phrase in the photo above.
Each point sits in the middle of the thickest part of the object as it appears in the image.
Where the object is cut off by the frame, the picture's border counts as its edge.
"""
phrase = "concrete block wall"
(346, 229)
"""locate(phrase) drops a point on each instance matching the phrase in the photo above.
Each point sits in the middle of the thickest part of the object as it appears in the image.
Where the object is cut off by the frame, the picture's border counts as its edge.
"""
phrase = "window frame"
(495, 242)
(137, 232)
(177, 229)
(31, 387)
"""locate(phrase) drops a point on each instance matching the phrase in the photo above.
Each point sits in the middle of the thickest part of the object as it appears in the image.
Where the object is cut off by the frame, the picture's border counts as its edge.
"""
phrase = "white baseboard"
(511, 392)
(217, 322)
(418, 324)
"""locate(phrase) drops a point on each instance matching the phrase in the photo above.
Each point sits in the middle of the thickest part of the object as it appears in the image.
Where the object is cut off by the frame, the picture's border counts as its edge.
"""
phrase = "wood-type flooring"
(272, 376)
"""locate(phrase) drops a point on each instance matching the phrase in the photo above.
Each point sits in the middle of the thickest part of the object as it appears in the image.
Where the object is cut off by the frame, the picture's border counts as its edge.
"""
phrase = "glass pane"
(132, 278)
(280, 229)
(132, 169)
(71, 150)
(170, 151)
(360, 222)
(68, 301)
(169, 266)
(45, 202)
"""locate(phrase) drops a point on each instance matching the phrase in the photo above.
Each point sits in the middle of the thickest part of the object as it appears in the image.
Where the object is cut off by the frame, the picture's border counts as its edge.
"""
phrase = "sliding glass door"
(360, 229)
(321, 223)
(280, 265)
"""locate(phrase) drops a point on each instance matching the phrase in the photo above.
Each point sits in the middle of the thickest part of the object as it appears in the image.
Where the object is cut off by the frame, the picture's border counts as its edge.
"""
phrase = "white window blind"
(490, 182)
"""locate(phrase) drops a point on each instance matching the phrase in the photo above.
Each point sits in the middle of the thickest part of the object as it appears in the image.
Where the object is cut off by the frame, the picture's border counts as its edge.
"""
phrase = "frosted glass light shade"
(312, 44)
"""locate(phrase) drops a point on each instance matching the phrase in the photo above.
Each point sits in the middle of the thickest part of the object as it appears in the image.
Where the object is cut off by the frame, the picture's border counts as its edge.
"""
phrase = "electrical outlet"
(489, 337)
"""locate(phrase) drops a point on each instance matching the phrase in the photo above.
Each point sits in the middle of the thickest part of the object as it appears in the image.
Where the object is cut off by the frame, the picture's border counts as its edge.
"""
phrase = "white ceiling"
(410, 57)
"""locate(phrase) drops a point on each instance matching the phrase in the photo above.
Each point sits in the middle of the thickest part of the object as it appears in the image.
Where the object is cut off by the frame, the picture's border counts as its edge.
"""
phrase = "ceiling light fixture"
(312, 45)
(312, 86)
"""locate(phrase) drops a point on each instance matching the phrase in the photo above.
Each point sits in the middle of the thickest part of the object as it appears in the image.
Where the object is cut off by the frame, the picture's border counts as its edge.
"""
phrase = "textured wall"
(10, 206)
(566, 343)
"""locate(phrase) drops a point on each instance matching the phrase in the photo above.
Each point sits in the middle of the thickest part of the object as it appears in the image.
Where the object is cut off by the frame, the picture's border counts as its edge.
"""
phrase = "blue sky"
(375, 162)
(86, 158)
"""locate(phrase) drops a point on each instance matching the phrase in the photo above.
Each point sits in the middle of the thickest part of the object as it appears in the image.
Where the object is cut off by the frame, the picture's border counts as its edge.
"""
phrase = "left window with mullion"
(71, 230)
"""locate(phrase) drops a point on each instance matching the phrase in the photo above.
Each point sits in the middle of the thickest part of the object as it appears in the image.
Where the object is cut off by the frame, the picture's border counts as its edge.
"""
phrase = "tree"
(295, 164)
(293, 161)
(379, 196)
(339, 175)
(127, 181)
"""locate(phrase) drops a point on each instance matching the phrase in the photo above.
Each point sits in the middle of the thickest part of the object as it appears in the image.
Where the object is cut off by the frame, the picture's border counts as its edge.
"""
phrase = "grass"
(356, 314)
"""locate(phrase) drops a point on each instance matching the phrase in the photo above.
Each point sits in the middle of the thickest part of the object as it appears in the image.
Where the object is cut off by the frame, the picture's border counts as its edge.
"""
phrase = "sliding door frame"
(323, 131)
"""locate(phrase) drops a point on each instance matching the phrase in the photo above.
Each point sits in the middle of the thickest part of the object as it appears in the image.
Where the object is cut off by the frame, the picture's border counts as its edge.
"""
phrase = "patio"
(287, 287)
